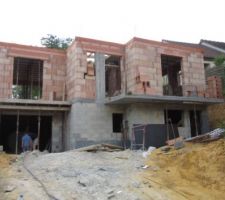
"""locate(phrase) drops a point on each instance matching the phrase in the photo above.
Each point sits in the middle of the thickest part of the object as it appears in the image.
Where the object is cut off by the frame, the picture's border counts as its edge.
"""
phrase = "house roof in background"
(217, 44)
(208, 52)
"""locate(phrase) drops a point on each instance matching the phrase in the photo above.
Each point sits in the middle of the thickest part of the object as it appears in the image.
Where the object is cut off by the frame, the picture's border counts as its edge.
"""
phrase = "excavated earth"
(196, 171)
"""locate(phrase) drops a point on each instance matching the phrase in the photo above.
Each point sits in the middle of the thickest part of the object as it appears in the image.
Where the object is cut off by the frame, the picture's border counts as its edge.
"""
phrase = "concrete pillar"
(204, 121)
(57, 124)
(187, 124)
(100, 77)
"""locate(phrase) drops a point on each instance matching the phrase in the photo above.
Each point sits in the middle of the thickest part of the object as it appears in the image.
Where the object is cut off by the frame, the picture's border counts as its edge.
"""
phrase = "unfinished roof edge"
(136, 39)
(84, 39)
(30, 47)
(91, 40)
(164, 44)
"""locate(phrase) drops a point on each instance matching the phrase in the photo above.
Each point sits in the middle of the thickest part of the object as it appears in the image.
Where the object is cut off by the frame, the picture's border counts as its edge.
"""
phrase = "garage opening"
(172, 76)
(27, 78)
(8, 130)
(112, 75)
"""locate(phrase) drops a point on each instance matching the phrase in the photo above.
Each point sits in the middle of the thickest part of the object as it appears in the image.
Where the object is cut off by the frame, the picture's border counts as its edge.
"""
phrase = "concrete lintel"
(34, 108)
(82, 100)
(124, 99)
(35, 102)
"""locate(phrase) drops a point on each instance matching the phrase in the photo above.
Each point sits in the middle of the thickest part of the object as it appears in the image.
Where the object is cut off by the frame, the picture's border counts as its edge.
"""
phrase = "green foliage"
(219, 60)
(53, 42)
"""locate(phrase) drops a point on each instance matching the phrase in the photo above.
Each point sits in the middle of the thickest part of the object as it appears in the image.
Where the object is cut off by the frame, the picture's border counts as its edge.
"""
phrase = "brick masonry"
(67, 75)
(143, 63)
(54, 69)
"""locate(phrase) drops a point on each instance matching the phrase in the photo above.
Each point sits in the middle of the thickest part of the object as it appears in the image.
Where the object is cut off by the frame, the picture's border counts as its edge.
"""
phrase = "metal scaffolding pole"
(39, 127)
(196, 124)
(17, 130)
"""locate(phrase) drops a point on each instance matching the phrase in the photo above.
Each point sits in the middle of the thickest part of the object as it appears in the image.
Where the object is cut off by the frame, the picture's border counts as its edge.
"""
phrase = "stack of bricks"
(6, 74)
(214, 89)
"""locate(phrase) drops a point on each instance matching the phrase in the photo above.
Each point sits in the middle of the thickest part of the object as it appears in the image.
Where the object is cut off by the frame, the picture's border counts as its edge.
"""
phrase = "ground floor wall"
(141, 113)
(90, 123)
(51, 129)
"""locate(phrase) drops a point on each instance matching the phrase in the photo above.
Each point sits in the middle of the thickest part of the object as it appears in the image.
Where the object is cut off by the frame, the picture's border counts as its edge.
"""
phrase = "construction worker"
(35, 144)
(26, 142)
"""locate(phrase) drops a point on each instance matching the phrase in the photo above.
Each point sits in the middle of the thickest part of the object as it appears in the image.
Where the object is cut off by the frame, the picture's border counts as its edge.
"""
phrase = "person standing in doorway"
(35, 144)
(26, 142)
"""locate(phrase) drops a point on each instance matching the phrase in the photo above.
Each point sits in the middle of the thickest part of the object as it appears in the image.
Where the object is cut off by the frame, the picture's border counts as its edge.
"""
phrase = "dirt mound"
(6, 160)
(194, 172)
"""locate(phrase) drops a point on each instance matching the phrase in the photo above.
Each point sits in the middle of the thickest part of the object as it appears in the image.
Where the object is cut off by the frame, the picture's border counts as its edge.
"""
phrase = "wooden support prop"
(196, 125)
(39, 126)
(17, 130)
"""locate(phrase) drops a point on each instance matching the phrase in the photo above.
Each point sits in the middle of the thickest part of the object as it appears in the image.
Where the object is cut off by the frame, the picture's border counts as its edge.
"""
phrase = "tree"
(54, 42)
(219, 60)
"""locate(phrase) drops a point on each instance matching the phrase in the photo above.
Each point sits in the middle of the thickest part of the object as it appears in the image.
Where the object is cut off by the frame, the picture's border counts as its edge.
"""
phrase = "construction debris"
(9, 188)
(101, 147)
(194, 172)
(208, 137)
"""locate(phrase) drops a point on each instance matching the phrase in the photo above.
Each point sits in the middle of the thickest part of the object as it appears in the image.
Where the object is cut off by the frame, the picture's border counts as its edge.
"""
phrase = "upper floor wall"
(85, 57)
(93, 69)
(156, 68)
(20, 78)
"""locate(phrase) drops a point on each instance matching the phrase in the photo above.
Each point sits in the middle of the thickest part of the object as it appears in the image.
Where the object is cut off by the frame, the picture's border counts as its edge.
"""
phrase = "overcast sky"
(26, 21)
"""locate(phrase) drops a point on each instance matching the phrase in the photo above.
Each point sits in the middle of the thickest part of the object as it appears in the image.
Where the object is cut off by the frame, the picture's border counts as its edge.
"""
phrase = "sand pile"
(6, 160)
(194, 172)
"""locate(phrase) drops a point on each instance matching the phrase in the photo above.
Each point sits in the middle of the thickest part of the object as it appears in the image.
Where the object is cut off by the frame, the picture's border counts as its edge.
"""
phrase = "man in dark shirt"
(26, 142)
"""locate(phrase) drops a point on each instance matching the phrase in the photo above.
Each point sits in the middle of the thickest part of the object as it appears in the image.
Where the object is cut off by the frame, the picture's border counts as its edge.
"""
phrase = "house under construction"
(97, 91)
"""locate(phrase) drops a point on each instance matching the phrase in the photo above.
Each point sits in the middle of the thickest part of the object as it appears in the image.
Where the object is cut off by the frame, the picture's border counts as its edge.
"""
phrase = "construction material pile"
(6, 160)
(94, 172)
(196, 171)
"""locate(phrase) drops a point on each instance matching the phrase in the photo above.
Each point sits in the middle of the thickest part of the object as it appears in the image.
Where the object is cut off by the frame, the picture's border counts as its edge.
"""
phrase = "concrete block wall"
(57, 131)
(6, 73)
(91, 123)
(143, 66)
(141, 113)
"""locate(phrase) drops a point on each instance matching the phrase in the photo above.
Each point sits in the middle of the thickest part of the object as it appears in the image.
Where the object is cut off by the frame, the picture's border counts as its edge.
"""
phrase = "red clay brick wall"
(6, 73)
(79, 85)
(143, 69)
(54, 78)
(215, 89)
(54, 69)
(143, 63)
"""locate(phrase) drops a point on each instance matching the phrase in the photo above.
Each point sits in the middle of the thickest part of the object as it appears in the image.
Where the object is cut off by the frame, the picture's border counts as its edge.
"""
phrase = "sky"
(27, 21)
